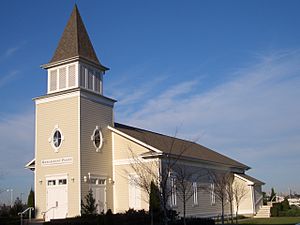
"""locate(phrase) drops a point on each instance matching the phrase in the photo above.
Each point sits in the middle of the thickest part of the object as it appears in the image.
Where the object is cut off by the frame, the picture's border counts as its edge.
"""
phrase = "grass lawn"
(272, 220)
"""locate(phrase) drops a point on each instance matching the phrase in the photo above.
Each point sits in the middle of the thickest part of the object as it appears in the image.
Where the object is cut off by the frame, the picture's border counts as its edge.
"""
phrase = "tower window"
(72, 76)
(53, 80)
(90, 79)
(62, 78)
(97, 139)
(82, 76)
(57, 138)
(97, 82)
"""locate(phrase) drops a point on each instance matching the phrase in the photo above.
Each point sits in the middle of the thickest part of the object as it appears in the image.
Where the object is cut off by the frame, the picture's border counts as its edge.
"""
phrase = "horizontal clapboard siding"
(63, 113)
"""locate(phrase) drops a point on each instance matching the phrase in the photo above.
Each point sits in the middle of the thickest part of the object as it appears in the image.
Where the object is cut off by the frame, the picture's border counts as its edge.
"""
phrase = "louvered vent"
(82, 76)
(97, 82)
(90, 80)
(62, 78)
(53, 80)
(72, 76)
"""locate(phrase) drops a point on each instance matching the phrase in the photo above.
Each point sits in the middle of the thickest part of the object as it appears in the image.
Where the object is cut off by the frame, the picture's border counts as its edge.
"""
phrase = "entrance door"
(99, 193)
(57, 199)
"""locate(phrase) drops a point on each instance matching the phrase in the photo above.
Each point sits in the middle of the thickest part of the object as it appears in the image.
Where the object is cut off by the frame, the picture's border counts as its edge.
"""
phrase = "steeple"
(75, 63)
(75, 43)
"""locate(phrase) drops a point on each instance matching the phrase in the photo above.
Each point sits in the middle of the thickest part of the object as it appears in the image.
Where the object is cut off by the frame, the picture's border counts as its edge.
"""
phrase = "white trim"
(35, 154)
(133, 139)
(62, 138)
(57, 68)
(30, 162)
(79, 152)
(98, 149)
(244, 179)
(120, 162)
(56, 175)
(113, 172)
(195, 194)
(58, 97)
(252, 199)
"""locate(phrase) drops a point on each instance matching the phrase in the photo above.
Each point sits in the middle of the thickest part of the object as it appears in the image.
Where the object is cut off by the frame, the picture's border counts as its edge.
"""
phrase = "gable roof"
(251, 179)
(75, 42)
(175, 146)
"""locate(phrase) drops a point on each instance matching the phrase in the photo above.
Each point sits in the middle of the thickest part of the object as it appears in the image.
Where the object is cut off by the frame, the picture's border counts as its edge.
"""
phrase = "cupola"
(75, 63)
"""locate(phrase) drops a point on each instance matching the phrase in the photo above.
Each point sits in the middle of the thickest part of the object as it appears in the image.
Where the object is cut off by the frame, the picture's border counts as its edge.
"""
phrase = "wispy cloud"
(8, 77)
(16, 149)
(9, 52)
(253, 117)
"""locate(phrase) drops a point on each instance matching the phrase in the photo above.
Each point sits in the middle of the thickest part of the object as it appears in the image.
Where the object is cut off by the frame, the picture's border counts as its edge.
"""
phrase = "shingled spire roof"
(75, 42)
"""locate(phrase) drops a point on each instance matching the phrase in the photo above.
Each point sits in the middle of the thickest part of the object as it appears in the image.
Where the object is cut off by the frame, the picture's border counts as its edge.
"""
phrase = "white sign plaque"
(57, 162)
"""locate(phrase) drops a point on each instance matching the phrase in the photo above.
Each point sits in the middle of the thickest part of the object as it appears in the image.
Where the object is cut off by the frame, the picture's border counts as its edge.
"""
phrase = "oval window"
(56, 139)
(97, 139)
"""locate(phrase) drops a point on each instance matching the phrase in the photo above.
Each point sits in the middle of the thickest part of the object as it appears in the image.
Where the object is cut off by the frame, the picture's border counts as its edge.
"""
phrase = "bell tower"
(73, 146)
(75, 63)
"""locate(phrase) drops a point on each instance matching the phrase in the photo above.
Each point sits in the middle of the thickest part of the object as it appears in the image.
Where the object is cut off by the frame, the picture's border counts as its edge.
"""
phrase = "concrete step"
(263, 212)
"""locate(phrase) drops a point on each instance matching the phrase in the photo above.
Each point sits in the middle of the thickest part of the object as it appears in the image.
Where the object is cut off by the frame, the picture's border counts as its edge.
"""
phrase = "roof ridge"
(75, 42)
(159, 133)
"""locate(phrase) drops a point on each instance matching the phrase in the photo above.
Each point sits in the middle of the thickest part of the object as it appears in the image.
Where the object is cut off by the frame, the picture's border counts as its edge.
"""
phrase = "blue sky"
(225, 73)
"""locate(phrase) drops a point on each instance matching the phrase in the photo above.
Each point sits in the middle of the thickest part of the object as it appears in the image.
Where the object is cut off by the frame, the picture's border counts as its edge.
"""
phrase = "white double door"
(57, 200)
(99, 193)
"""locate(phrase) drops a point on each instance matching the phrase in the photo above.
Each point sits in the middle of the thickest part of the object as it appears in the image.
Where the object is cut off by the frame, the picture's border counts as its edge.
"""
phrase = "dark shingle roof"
(75, 41)
(177, 146)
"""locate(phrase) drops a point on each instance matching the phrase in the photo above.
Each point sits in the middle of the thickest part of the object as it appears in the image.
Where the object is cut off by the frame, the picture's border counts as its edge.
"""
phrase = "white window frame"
(50, 139)
(213, 194)
(173, 199)
(98, 149)
(195, 194)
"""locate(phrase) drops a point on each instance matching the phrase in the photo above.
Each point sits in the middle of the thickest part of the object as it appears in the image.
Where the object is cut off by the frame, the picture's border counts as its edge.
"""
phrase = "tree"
(220, 182)
(239, 191)
(30, 200)
(285, 204)
(156, 168)
(90, 208)
(184, 179)
(154, 203)
(230, 194)
(17, 207)
(272, 195)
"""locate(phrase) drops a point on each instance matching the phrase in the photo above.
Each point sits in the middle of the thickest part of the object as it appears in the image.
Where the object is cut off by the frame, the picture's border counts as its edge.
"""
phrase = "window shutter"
(53, 80)
(72, 76)
(62, 78)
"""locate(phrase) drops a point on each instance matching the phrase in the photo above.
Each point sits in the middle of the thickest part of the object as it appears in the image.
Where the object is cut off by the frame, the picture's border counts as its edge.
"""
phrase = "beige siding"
(94, 114)
(123, 150)
(205, 208)
(246, 204)
(63, 113)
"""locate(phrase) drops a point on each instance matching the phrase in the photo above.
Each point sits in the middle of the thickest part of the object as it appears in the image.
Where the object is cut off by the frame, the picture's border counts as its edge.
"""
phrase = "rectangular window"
(51, 182)
(53, 80)
(90, 79)
(62, 78)
(213, 195)
(97, 82)
(173, 192)
(82, 76)
(71, 76)
(195, 193)
(62, 181)
(134, 193)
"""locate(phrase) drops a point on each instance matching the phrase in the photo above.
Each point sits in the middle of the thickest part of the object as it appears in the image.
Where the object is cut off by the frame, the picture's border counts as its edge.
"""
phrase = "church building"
(79, 147)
